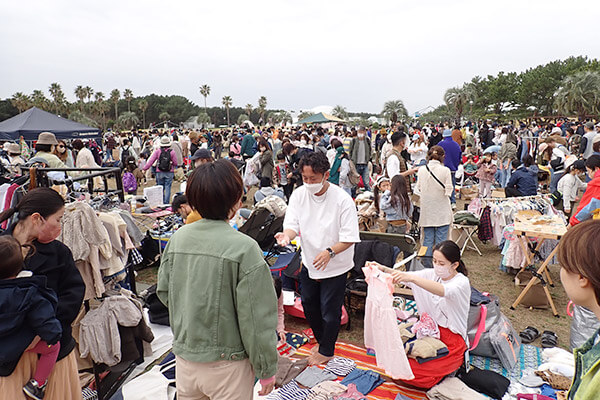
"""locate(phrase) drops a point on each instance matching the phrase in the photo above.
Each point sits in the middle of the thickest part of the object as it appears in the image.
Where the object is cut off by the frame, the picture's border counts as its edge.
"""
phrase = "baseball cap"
(447, 133)
(201, 154)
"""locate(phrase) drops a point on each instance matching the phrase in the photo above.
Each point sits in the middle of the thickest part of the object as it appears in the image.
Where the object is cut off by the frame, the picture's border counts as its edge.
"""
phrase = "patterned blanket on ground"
(530, 357)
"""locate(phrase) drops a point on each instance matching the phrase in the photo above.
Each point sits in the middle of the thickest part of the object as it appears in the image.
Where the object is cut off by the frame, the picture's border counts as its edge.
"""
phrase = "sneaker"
(34, 390)
(454, 206)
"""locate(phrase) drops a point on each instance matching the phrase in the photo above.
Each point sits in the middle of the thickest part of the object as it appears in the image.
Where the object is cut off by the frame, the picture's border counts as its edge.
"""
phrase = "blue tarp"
(30, 123)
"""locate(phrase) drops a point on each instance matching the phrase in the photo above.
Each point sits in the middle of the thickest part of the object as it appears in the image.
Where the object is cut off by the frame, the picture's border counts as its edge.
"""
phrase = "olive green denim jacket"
(586, 382)
(220, 295)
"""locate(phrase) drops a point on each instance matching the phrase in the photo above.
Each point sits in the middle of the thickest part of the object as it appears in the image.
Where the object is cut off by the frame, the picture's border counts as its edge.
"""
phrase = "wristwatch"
(331, 252)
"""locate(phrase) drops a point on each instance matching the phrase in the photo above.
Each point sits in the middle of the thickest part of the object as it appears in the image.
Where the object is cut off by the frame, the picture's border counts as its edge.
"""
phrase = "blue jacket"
(28, 310)
(453, 153)
(524, 180)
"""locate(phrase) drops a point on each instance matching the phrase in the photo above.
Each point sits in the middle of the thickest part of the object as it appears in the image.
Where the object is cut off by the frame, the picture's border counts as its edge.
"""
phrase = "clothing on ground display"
(340, 366)
(312, 376)
(365, 380)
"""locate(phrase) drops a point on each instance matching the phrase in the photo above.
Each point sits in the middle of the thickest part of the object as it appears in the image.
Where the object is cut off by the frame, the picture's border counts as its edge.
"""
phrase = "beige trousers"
(220, 380)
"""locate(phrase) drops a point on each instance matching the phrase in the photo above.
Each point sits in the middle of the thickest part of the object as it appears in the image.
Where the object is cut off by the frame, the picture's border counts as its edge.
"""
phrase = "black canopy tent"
(30, 123)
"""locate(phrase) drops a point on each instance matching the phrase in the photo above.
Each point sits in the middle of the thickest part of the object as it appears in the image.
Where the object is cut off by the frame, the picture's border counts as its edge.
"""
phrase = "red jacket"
(592, 192)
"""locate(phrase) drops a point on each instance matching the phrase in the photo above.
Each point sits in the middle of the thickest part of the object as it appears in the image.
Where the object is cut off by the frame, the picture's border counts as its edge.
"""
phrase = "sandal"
(529, 334)
(549, 339)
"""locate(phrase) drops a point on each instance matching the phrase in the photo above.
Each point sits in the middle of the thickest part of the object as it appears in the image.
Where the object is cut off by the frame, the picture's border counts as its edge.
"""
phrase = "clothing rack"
(117, 374)
(42, 179)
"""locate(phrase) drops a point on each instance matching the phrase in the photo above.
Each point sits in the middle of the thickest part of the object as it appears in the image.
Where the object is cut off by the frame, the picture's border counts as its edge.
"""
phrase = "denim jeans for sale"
(165, 179)
(365, 380)
(363, 170)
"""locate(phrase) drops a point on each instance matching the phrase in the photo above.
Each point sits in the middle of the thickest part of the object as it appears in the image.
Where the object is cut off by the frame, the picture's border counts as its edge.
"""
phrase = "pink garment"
(351, 393)
(48, 355)
(381, 328)
(426, 327)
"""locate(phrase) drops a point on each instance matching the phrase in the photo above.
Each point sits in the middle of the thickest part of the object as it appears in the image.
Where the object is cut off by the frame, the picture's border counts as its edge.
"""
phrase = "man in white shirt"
(325, 217)
(396, 164)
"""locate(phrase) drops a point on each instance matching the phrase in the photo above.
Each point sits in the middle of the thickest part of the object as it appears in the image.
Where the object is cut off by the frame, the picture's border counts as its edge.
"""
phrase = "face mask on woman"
(303, 142)
(441, 271)
(314, 188)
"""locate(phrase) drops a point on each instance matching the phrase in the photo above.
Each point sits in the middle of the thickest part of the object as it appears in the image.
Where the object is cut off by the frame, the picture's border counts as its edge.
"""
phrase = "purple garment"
(453, 153)
(156, 154)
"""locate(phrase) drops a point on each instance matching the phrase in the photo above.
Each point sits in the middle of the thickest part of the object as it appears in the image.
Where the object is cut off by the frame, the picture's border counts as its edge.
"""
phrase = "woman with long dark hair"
(36, 221)
(443, 293)
(397, 206)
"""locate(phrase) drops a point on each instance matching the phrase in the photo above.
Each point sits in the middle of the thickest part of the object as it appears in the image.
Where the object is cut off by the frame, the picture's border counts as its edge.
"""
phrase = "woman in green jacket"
(220, 295)
(580, 276)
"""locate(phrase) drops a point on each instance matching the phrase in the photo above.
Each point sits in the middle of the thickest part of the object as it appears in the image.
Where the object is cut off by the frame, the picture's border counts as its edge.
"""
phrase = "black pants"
(512, 192)
(322, 302)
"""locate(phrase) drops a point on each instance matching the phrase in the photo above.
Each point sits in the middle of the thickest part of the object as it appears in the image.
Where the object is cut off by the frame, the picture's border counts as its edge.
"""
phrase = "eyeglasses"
(61, 146)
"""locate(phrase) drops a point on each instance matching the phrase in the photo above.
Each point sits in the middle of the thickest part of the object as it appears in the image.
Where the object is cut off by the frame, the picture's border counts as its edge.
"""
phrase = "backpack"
(129, 182)
(125, 154)
(353, 175)
(164, 160)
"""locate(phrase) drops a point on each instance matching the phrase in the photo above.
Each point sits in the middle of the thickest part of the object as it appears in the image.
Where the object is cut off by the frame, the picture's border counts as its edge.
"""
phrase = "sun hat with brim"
(13, 148)
(165, 141)
(201, 154)
(570, 160)
(556, 130)
(596, 139)
(47, 138)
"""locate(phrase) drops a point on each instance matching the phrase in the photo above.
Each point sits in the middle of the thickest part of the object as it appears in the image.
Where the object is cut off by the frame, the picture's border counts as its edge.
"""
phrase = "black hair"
(593, 162)
(77, 144)
(44, 201)
(11, 262)
(451, 252)
(316, 160)
(397, 137)
(278, 285)
(125, 142)
(280, 156)
(265, 181)
(399, 193)
(43, 147)
(214, 189)
(515, 163)
(178, 201)
(335, 143)
(528, 161)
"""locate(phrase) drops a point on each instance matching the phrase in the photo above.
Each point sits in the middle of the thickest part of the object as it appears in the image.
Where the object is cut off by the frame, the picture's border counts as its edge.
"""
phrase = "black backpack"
(125, 154)
(164, 160)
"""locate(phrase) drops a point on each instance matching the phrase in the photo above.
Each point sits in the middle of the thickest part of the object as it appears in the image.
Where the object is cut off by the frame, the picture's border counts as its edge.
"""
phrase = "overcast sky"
(299, 54)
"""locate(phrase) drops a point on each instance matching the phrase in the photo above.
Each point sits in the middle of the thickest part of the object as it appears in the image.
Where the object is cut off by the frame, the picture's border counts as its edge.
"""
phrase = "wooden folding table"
(528, 226)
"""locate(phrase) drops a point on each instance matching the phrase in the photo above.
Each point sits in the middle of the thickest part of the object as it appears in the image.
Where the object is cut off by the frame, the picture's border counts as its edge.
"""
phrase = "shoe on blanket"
(529, 334)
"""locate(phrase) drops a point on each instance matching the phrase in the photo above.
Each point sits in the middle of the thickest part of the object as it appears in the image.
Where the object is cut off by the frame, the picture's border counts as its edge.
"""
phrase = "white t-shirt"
(393, 166)
(450, 311)
(321, 222)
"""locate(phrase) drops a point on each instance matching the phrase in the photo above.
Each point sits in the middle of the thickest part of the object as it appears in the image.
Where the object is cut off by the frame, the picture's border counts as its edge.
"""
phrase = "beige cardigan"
(435, 200)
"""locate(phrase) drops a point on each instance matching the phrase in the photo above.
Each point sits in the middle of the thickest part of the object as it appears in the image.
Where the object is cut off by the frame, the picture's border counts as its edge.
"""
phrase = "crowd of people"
(228, 336)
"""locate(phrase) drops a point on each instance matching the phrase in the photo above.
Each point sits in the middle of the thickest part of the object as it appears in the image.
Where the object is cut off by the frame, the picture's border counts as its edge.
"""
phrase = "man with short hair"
(327, 218)
(360, 154)
(522, 181)
(451, 159)
(396, 163)
(585, 147)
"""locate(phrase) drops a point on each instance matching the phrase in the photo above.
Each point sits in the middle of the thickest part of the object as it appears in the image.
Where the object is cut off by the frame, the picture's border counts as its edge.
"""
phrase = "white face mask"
(442, 272)
(314, 188)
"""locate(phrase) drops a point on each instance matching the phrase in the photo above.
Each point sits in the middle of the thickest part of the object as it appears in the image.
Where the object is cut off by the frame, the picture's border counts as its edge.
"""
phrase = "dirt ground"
(484, 275)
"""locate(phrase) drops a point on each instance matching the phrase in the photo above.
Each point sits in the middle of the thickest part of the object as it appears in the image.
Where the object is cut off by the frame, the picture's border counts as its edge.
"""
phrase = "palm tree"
(242, 118)
(39, 99)
(248, 110)
(21, 101)
(128, 120)
(393, 109)
(203, 119)
(164, 116)
(340, 112)
(143, 106)
(102, 107)
(99, 96)
(128, 95)
(80, 94)
(58, 97)
(205, 91)
(227, 103)
(115, 95)
(262, 107)
(579, 94)
(88, 93)
(457, 98)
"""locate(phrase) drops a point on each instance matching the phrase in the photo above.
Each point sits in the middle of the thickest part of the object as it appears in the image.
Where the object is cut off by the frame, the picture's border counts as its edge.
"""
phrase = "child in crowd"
(28, 310)
(382, 185)
(280, 175)
(133, 177)
(397, 206)
(470, 166)
(486, 172)
(579, 259)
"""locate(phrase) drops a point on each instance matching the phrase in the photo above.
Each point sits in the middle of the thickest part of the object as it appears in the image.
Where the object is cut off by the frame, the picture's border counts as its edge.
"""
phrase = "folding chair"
(467, 232)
